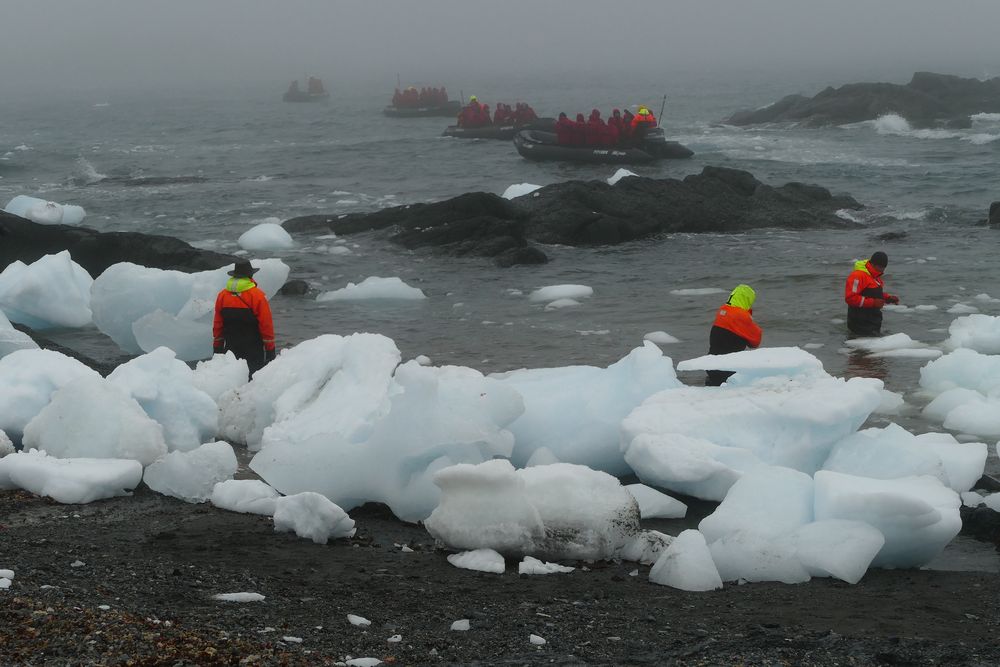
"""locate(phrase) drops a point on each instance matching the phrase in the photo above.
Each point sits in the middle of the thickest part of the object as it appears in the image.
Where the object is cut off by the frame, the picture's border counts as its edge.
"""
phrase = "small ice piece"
(238, 597)
(519, 190)
(309, 514)
(697, 291)
(962, 309)
(7, 574)
(656, 505)
(358, 620)
(268, 235)
(363, 662)
(836, 548)
(71, 480)
(192, 476)
(104, 607)
(556, 292)
(660, 338)
(619, 175)
(909, 353)
(534, 566)
(461, 625)
(11, 339)
(422, 359)
(291, 639)
(395, 639)
(77, 563)
(374, 288)
(6, 445)
(899, 341)
(53, 291)
(4, 583)
(892, 402)
(969, 499)
(975, 332)
(687, 565)
(250, 496)
(220, 374)
(993, 501)
(561, 303)
(536, 640)
(481, 560)
(646, 547)
(45, 212)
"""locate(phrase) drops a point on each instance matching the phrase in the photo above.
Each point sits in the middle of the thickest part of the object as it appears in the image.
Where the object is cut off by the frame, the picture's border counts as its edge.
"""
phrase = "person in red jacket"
(642, 122)
(865, 295)
(733, 330)
(565, 130)
(596, 134)
(243, 323)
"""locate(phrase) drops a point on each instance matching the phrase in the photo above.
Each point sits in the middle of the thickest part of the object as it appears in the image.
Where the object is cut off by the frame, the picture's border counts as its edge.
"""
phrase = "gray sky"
(109, 44)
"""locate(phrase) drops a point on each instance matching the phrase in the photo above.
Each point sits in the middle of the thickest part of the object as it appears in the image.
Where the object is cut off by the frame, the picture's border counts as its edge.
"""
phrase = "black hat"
(879, 258)
(243, 270)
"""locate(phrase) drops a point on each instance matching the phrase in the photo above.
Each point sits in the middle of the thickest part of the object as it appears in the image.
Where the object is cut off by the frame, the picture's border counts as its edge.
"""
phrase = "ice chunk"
(164, 387)
(28, 378)
(53, 291)
(948, 400)
(554, 292)
(536, 640)
(687, 565)
(238, 597)
(909, 353)
(918, 516)
(220, 374)
(576, 411)
(374, 288)
(250, 496)
(519, 190)
(534, 566)
(6, 445)
(899, 341)
(461, 625)
(481, 560)
(91, 418)
(359, 621)
(142, 308)
(660, 338)
(748, 555)
(981, 420)
(311, 515)
(619, 175)
(962, 309)
(697, 291)
(754, 364)
(646, 547)
(993, 501)
(771, 501)
(975, 332)
(656, 505)
(12, 340)
(192, 475)
(266, 236)
(45, 212)
(837, 548)
(892, 452)
(69, 480)
(972, 499)
(561, 303)
(542, 456)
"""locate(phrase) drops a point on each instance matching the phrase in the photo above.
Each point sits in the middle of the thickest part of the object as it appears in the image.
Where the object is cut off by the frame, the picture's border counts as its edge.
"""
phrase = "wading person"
(865, 295)
(243, 322)
(733, 330)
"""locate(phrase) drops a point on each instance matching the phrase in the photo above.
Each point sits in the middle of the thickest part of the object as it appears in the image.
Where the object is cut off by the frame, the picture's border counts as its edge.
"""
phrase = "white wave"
(892, 123)
(847, 214)
(985, 117)
(22, 147)
(87, 172)
(101, 105)
(262, 179)
(981, 138)
(909, 215)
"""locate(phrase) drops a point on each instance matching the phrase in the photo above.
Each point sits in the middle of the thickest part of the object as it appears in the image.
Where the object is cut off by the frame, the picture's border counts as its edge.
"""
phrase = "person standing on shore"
(865, 296)
(733, 330)
(243, 323)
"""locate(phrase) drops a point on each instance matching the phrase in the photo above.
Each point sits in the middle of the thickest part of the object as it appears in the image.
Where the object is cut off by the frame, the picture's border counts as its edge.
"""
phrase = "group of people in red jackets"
(425, 97)
(620, 130)
(475, 114)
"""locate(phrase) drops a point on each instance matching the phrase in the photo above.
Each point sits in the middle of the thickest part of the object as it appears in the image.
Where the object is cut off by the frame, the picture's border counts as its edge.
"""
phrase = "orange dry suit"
(733, 330)
(243, 323)
(865, 298)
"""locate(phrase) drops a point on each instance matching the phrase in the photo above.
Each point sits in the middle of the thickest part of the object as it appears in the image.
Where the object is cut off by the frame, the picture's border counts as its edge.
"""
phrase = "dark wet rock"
(928, 100)
(981, 523)
(890, 236)
(95, 251)
(294, 288)
(994, 218)
(588, 213)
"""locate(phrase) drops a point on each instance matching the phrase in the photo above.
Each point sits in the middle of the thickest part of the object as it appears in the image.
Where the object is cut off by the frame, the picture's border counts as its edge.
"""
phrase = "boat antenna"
(398, 84)
(461, 96)
(662, 106)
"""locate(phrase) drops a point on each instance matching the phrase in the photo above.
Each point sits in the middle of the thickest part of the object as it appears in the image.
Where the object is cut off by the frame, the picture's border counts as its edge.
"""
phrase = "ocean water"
(205, 166)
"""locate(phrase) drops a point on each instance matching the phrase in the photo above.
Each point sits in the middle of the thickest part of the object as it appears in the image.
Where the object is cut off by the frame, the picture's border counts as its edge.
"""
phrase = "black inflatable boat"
(505, 132)
(538, 145)
(451, 108)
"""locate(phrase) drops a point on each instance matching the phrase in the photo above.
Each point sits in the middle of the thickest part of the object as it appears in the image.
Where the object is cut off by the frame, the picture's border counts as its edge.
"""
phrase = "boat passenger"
(733, 330)
(625, 136)
(565, 130)
(596, 133)
(642, 123)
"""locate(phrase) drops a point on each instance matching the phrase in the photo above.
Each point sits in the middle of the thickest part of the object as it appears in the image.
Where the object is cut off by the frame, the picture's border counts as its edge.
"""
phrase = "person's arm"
(218, 340)
(262, 311)
(852, 293)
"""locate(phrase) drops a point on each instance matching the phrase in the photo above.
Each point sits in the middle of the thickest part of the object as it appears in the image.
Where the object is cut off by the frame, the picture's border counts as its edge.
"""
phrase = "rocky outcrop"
(994, 219)
(928, 100)
(95, 251)
(587, 213)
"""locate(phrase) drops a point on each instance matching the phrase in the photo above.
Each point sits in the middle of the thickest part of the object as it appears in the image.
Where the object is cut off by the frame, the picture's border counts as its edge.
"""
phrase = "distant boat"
(313, 93)
(504, 131)
(449, 108)
(536, 145)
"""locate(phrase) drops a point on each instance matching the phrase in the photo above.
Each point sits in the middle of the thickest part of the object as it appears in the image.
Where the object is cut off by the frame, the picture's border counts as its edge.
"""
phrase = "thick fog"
(109, 44)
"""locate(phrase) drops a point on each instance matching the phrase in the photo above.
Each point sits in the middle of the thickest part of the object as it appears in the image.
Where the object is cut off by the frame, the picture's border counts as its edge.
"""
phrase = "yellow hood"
(743, 297)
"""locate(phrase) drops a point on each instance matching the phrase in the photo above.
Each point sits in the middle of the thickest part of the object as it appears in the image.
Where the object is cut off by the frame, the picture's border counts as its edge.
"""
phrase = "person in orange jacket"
(865, 295)
(243, 323)
(733, 330)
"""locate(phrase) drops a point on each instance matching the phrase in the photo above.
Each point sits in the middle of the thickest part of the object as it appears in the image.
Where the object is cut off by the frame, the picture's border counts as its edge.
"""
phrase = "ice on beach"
(53, 291)
(542, 456)
(654, 504)
(531, 565)
(697, 291)
(576, 411)
(745, 555)
(69, 480)
(220, 374)
(556, 292)
(6, 445)
(918, 516)
(972, 498)
(28, 379)
(619, 175)
(238, 597)
(660, 338)
(560, 511)
(7, 574)
(12, 340)
(363, 662)
(164, 387)
(374, 288)
(250, 496)
(975, 332)
(192, 475)
(312, 516)
(461, 625)
(480, 560)
(348, 423)
(45, 212)
(536, 640)
(966, 386)
(266, 236)
(687, 565)
(836, 548)
(92, 418)
(893, 452)
(4, 583)
(142, 308)
(356, 620)
(646, 547)
(753, 364)
(769, 500)
(519, 190)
